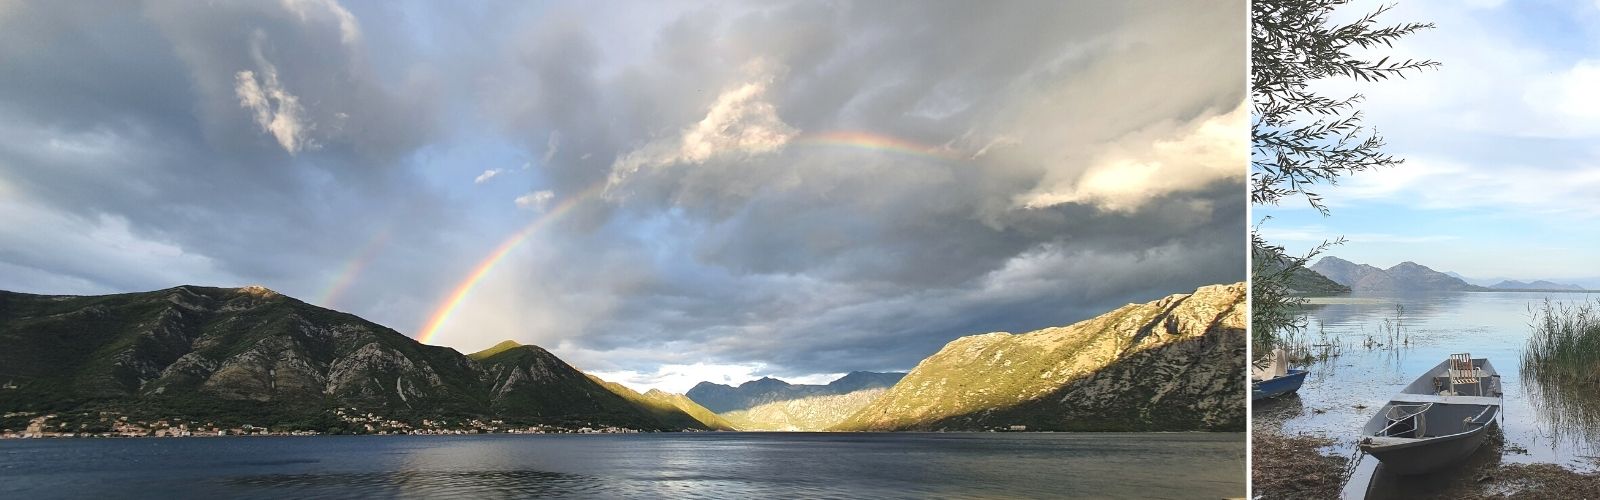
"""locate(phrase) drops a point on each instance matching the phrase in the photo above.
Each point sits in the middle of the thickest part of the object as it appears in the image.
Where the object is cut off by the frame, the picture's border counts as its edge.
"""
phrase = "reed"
(1565, 345)
(1561, 370)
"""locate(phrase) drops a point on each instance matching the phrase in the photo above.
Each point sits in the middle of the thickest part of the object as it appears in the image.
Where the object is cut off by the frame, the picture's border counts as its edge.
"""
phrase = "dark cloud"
(1046, 162)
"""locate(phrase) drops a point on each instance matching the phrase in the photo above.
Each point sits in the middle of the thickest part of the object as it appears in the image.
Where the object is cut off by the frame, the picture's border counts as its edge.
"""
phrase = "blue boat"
(1277, 386)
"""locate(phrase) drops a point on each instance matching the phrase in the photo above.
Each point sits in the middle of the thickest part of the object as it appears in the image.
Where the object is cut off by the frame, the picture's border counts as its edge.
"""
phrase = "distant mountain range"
(724, 398)
(769, 404)
(1410, 276)
(1536, 285)
(252, 356)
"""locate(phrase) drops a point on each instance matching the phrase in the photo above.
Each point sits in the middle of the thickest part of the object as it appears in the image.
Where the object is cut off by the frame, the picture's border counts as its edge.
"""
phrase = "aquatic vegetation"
(1561, 370)
(1565, 345)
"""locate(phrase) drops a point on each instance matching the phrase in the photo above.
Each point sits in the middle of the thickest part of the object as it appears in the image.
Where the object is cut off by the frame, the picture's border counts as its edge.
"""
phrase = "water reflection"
(420, 484)
(1452, 482)
(1568, 412)
(724, 465)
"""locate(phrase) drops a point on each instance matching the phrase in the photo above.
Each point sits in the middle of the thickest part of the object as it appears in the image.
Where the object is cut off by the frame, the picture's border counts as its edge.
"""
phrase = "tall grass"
(1561, 370)
(1565, 345)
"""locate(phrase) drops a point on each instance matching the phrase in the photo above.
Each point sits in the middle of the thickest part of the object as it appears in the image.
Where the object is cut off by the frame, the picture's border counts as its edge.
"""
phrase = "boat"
(1275, 378)
(1438, 420)
(1277, 386)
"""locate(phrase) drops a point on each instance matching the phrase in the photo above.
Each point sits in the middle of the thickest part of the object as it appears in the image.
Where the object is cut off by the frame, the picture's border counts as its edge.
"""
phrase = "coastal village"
(112, 424)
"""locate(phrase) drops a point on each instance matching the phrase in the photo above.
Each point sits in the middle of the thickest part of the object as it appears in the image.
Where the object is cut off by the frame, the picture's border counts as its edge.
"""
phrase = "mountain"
(674, 409)
(1169, 365)
(706, 417)
(856, 381)
(807, 414)
(1413, 276)
(1404, 277)
(255, 356)
(528, 383)
(723, 398)
(1343, 271)
(1536, 285)
(1307, 282)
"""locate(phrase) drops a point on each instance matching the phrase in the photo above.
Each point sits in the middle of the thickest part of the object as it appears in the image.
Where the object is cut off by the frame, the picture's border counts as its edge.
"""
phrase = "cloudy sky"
(1502, 172)
(675, 191)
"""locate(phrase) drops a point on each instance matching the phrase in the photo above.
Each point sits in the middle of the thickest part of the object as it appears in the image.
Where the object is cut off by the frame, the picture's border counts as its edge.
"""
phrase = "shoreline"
(19, 437)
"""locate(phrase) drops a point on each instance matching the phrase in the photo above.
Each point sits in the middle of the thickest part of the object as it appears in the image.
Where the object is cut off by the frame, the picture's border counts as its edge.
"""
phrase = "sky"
(658, 192)
(1501, 178)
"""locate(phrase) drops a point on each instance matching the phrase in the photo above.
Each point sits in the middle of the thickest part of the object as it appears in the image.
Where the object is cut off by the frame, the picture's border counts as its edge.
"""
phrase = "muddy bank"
(1293, 467)
(1537, 481)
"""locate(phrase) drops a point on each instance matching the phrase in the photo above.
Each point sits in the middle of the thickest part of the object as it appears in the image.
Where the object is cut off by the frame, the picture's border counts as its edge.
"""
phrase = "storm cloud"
(722, 190)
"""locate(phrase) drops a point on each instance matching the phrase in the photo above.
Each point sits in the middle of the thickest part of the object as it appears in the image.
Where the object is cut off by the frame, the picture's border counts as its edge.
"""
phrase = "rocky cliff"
(1172, 364)
(807, 414)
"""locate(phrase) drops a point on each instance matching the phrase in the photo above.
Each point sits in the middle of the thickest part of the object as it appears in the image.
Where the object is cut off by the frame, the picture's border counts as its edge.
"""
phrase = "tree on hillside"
(1299, 139)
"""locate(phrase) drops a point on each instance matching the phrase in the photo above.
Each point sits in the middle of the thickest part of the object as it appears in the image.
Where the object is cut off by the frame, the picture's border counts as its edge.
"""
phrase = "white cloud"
(1569, 93)
(488, 174)
(538, 200)
(92, 255)
(1430, 183)
(1317, 234)
(739, 122)
(349, 29)
(1135, 171)
(679, 378)
(276, 111)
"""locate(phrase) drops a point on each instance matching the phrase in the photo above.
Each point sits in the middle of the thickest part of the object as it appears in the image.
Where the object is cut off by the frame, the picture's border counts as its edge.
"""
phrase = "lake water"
(1340, 395)
(702, 465)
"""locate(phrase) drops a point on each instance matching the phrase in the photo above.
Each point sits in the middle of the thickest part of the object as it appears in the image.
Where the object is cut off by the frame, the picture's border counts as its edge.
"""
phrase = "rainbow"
(441, 314)
(341, 281)
(876, 142)
(842, 138)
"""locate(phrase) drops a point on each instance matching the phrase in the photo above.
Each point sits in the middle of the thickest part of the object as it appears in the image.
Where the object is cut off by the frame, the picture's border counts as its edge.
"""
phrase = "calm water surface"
(703, 465)
(1339, 396)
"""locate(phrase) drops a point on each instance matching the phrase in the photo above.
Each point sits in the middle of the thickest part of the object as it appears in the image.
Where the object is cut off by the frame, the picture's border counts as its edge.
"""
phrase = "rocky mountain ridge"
(250, 355)
(1173, 364)
(807, 414)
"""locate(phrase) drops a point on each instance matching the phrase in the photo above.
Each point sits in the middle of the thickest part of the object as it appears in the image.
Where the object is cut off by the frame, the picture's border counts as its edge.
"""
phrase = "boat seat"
(1461, 372)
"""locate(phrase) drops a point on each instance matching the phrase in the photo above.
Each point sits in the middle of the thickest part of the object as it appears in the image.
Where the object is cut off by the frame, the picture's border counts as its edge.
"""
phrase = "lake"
(740, 465)
(1340, 395)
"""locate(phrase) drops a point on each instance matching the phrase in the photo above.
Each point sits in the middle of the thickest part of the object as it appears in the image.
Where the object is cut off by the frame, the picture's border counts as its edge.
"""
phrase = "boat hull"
(1271, 388)
(1426, 455)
